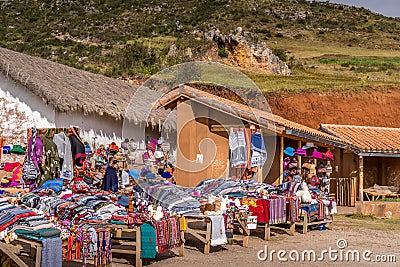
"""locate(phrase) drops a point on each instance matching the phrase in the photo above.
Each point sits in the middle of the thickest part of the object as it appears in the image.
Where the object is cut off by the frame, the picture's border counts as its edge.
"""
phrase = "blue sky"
(390, 8)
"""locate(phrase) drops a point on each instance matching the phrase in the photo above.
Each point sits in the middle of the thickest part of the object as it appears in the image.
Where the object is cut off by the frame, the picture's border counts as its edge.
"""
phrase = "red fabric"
(10, 166)
(261, 211)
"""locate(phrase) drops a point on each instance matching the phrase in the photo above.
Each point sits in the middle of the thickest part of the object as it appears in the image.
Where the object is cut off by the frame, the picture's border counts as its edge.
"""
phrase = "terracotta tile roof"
(367, 138)
(247, 113)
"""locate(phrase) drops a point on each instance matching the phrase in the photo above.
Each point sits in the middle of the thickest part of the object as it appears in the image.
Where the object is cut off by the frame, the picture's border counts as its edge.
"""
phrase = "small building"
(373, 156)
(55, 95)
(203, 124)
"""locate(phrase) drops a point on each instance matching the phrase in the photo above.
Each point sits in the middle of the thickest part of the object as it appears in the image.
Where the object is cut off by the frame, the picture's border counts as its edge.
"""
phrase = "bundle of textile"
(259, 208)
(218, 236)
(50, 187)
(277, 210)
(215, 187)
(38, 234)
(95, 243)
(32, 223)
(170, 197)
(9, 214)
(168, 233)
(294, 206)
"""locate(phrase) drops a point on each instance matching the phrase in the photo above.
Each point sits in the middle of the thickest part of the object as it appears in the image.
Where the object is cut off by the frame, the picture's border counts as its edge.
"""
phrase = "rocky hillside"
(127, 38)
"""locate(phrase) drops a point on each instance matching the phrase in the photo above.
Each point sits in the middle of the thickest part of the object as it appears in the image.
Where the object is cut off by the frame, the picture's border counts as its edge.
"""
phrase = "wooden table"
(14, 258)
(118, 230)
(197, 233)
(376, 195)
(306, 221)
(118, 237)
(267, 230)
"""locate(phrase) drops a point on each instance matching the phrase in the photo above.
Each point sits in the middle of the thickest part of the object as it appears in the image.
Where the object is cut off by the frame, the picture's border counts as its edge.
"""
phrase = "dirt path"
(379, 236)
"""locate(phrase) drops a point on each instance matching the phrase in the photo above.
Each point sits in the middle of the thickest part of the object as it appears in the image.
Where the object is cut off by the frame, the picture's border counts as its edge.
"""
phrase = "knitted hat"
(166, 175)
(152, 145)
(301, 152)
(150, 175)
(6, 149)
(88, 149)
(316, 155)
(134, 174)
(17, 149)
(289, 151)
(144, 171)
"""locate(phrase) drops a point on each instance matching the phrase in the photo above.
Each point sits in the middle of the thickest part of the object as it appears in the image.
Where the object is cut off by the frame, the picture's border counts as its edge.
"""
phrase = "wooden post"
(299, 157)
(38, 256)
(384, 179)
(182, 247)
(267, 233)
(208, 238)
(292, 228)
(361, 177)
(305, 222)
(281, 148)
(138, 247)
(118, 233)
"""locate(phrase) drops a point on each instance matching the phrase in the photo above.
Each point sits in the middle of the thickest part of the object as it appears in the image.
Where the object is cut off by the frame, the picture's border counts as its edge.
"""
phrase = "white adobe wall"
(41, 114)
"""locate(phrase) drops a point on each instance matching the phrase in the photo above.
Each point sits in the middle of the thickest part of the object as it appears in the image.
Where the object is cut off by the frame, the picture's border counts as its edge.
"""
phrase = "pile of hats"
(309, 150)
(16, 149)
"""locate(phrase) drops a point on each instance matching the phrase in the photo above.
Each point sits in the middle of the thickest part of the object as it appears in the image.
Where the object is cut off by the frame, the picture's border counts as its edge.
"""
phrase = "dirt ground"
(381, 237)
(345, 107)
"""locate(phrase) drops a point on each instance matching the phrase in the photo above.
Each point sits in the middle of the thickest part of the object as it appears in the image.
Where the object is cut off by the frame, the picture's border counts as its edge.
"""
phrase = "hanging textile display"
(50, 161)
(237, 146)
(31, 168)
(77, 147)
(65, 154)
(258, 150)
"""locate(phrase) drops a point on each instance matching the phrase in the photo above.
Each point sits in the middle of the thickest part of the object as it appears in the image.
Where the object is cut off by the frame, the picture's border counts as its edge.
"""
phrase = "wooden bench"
(118, 230)
(306, 221)
(118, 238)
(267, 229)
(376, 195)
(206, 239)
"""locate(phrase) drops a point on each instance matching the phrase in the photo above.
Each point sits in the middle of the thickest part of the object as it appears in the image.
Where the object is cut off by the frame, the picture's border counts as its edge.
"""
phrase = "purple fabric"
(37, 152)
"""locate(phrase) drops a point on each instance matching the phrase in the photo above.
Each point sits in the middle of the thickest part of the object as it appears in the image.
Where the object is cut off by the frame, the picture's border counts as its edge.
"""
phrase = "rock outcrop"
(246, 53)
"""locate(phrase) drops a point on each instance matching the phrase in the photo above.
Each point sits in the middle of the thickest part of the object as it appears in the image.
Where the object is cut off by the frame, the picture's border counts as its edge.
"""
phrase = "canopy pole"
(281, 148)
(361, 177)
(298, 156)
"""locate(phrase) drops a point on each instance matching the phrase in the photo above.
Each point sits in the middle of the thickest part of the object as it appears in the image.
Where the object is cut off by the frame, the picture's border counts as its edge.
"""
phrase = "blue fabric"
(56, 185)
(110, 181)
(148, 234)
(51, 253)
(257, 142)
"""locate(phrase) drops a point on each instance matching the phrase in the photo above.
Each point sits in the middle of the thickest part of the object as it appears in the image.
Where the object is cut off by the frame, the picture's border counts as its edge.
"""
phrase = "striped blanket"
(277, 210)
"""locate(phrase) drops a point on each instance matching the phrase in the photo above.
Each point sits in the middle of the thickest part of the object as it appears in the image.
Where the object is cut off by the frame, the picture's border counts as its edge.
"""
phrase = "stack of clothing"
(170, 197)
(216, 187)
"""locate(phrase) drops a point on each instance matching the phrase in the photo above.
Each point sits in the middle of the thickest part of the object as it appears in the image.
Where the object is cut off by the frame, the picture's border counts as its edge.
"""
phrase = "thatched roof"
(68, 89)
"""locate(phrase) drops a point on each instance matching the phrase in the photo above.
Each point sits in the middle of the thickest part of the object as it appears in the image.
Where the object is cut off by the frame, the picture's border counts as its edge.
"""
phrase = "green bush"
(280, 53)
(222, 52)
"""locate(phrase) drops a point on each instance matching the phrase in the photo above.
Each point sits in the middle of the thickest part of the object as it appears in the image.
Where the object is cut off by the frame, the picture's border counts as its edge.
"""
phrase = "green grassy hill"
(327, 45)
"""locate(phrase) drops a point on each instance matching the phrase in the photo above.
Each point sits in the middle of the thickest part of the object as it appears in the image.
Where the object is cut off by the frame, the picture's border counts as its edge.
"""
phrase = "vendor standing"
(110, 181)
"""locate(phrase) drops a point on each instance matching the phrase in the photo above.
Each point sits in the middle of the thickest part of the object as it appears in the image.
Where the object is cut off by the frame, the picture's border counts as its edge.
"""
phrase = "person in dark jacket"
(110, 180)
